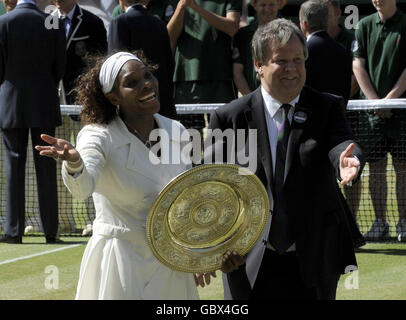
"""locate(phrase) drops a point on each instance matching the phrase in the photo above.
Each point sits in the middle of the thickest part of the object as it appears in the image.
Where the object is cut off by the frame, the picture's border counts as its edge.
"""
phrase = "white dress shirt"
(274, 118)
(273, 114)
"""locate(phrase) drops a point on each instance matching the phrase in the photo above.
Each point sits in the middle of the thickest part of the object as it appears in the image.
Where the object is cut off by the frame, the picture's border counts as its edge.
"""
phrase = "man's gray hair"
(274, 35)
(315, 14)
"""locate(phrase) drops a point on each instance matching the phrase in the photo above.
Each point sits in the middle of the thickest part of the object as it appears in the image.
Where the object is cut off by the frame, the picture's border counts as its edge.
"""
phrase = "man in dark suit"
(85, 35)
(137, 29)
(304, 144)
(329, 65)
(32, 61)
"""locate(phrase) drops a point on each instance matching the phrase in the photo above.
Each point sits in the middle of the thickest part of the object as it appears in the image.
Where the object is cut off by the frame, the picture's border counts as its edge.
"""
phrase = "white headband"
(111, 67)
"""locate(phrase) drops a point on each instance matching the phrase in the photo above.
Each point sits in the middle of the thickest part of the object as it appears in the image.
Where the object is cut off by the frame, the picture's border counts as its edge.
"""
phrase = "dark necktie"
(280, 236)
(65, 21)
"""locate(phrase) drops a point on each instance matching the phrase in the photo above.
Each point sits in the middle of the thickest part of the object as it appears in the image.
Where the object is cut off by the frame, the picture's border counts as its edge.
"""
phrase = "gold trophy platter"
(204, 212)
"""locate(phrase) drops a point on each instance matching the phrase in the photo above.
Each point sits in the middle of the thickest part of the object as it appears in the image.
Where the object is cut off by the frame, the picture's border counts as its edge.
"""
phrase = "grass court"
(37, 271)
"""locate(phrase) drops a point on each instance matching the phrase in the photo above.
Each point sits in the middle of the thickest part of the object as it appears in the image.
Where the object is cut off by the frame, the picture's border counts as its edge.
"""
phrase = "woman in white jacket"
(113, 162)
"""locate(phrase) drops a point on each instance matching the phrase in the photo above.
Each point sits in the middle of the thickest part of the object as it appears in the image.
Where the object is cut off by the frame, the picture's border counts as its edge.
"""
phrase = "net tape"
(76, 216)
(353, 105)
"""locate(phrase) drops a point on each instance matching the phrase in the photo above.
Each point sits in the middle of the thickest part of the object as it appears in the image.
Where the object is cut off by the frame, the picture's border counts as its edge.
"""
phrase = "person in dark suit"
(329, 68)
(347, 39)
(137, 29)
(304, 144)
(32, 62)
(85, 35)
(329, 65)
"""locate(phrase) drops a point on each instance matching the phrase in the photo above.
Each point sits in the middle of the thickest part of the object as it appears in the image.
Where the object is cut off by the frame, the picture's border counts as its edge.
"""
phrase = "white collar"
(26, 1)
(135, 4)
(310, 35)
(273, 105)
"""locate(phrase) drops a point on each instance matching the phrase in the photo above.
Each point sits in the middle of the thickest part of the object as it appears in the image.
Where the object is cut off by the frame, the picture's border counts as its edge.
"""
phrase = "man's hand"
(349, 166)
(383, 113)
(203, 279)
(231, 261)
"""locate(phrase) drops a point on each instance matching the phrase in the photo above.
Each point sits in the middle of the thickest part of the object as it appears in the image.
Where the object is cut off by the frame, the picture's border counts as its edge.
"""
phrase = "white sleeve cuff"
(75, 172)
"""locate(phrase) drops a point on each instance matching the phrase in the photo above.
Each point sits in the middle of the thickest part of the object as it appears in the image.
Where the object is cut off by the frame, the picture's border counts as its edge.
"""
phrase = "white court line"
(40, 254)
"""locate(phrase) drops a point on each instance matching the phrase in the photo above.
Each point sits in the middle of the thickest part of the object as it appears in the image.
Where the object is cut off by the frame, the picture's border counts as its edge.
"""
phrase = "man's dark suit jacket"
(321, 228)
(32, 62)
(137, 29)
(87, 35)
(328, 66)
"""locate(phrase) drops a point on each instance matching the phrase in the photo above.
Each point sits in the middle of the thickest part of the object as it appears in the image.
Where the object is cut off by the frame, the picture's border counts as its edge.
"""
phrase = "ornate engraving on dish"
(203, 213)
(238, 179)
(198, 208)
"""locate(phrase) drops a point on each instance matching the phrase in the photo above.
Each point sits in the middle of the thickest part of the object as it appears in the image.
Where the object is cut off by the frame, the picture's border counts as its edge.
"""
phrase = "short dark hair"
(315, 14)
(130, 2)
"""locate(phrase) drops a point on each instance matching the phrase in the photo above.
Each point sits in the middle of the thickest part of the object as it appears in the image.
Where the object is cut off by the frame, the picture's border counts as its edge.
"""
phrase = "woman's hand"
(231, 261)
(203, 279)
(58, 149)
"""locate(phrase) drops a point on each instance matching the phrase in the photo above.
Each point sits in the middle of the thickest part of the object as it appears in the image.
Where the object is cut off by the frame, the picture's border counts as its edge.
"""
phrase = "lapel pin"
(300, 117)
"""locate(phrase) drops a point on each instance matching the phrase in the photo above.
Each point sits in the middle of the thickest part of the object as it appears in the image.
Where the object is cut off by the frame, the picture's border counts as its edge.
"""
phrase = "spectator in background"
(328, 65)
(101, 8)
(332, 75)
(380, 68)
(341, 35)
(8, 5)
(135, 30)
(32, 62)
(201, 32)
(335, 29)
(252, 13)
(5, 6)
(244, 72)
(85, 34)
(162, 9)
(346, 39)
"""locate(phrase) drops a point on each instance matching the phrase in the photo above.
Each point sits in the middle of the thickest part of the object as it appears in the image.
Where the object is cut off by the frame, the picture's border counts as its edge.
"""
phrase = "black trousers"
(15, 146)
(279, 278)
